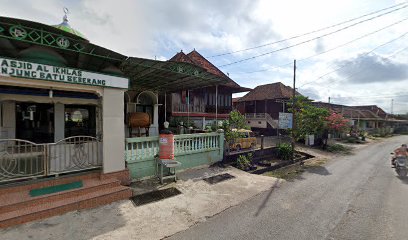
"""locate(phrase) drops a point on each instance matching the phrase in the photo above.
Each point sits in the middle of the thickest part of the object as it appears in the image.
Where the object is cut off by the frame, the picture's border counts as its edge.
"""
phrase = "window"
(80, 120)
(35, 122)
(146, 103)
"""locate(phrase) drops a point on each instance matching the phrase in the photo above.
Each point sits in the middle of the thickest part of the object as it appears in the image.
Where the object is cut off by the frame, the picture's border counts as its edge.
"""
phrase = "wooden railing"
(202, 108)
(188, 108)
(266, 116)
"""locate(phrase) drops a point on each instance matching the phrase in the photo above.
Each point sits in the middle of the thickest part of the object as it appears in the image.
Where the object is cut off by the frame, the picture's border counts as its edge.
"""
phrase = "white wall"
(257, 123)
(113, 130)
(9, 119)
(59, 122)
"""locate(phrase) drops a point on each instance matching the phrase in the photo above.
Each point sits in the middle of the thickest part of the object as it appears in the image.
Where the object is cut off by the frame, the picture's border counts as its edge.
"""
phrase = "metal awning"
(167, 76)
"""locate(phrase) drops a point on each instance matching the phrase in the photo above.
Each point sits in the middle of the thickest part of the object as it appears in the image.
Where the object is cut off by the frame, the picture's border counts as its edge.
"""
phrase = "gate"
(21, 159)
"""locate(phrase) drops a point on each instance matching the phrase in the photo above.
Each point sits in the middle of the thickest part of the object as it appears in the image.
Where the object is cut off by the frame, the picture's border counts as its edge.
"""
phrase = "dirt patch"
(294, 171)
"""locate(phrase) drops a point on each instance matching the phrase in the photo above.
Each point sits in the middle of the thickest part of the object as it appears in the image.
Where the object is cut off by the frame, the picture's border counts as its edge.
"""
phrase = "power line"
(358, 72)
(312, 39)
(335, 70)
(334, 48)
(314, 31)
(370, 96)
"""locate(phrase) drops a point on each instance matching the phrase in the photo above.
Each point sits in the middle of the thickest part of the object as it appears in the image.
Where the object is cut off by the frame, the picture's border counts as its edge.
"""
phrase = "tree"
(235, 121)
(308, 118)
(336, 122)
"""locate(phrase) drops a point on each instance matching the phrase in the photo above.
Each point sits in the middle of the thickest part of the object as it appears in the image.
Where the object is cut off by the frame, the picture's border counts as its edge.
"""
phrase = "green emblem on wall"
(18, 32)
(63, 42)
(180, 69)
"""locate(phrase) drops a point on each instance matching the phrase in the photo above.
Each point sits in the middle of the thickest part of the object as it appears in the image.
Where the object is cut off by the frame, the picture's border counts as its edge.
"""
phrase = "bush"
(285, 151)
(244, 162)
(338, 148)
(353, 140)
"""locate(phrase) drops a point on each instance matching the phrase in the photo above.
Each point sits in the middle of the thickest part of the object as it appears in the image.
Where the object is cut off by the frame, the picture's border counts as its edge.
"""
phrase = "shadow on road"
(318, 170)
(403, 179)
(262, 206)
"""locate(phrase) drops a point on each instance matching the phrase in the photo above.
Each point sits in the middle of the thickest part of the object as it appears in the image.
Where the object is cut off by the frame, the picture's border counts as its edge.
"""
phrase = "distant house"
(368, 118)
(262, 105)
(203, 105)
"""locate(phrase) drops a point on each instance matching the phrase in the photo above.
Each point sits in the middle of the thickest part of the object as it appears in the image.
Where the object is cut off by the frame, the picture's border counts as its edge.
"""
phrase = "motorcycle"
(400, 164)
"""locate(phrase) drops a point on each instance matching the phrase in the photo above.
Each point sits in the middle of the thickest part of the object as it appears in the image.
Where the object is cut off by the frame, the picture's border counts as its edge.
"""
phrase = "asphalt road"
(352, 197)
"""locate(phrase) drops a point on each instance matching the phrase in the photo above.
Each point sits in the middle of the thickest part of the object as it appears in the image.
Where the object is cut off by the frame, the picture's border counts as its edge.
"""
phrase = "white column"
(216, 105)
(155, 130)
(59, 122)
(203, 123)
(165, 107)
(113, 134)
(9, 118)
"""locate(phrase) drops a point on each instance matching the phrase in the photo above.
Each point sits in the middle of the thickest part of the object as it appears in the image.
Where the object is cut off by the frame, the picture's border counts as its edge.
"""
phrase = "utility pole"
(294, 110)
(392, 106)
(329, 100)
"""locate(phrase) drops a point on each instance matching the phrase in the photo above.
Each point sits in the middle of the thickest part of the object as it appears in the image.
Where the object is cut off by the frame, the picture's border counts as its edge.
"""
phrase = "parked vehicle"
(248, 140)
(400, 164)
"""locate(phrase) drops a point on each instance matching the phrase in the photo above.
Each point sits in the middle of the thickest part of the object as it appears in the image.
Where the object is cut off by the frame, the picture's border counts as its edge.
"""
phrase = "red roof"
(370, 112)
(197, 59)
(236, 99)
(181, 57)
(268, 91)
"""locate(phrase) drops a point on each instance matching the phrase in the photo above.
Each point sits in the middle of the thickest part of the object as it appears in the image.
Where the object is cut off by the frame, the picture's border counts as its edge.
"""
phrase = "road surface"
(352, 197)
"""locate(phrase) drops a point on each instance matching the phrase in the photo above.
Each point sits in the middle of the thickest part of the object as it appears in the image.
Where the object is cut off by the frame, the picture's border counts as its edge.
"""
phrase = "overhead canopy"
(167, 76)
(19, 38)
(40, 43)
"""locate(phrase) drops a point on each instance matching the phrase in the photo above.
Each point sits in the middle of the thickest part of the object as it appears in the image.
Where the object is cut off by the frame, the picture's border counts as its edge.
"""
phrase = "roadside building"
(64, 108)
(261, 106)
(202, 106)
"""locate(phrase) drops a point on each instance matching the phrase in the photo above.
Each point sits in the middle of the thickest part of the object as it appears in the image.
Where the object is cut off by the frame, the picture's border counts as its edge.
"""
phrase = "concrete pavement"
(122, 220)
(352, 197)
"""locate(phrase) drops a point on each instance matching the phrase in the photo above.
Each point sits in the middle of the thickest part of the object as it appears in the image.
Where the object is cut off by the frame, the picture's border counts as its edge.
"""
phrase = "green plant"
(236, 120)
(308, 118)
(244, 161)
(175, 121)
(285, 151)
(352, 140)
(338, 148)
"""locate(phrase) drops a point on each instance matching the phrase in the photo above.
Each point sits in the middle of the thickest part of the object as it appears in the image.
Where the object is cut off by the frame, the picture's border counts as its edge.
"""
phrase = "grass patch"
(287, 173)
(339, 148)
(293, 172)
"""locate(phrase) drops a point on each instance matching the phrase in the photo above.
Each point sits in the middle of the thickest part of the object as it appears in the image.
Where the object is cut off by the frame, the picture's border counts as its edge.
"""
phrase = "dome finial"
(66, 12)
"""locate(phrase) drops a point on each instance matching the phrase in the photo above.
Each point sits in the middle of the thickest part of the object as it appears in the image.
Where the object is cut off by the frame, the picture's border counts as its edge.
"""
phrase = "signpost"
(285, 120)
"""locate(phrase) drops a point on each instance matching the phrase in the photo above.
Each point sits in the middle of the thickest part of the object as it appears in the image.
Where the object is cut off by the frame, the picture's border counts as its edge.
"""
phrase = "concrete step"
(47, 182)
(60, 206)
(22, 199)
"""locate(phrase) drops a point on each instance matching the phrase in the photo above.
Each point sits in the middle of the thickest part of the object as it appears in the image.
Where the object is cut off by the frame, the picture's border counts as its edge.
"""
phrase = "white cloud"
(162, 28)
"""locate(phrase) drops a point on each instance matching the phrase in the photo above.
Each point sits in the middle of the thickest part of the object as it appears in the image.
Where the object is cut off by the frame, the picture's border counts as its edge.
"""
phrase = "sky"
(360, 62)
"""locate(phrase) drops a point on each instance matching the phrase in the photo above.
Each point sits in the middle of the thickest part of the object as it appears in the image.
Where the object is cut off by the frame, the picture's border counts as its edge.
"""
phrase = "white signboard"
(27, 70)
(285, 120)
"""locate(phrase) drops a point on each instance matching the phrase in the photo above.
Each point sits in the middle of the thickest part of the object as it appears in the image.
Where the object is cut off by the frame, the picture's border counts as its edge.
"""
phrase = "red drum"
(166, 146)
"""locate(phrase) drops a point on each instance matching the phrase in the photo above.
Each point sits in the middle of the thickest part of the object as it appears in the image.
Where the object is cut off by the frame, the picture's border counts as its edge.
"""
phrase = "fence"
(190, 149)
(272, 141)
(21, 159)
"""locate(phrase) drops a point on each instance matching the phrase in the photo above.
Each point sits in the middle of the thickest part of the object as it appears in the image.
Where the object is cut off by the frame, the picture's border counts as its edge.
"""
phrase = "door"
(35, 122)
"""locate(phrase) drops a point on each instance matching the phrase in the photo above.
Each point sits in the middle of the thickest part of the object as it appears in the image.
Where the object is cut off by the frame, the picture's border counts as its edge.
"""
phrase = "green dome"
(64, 26)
